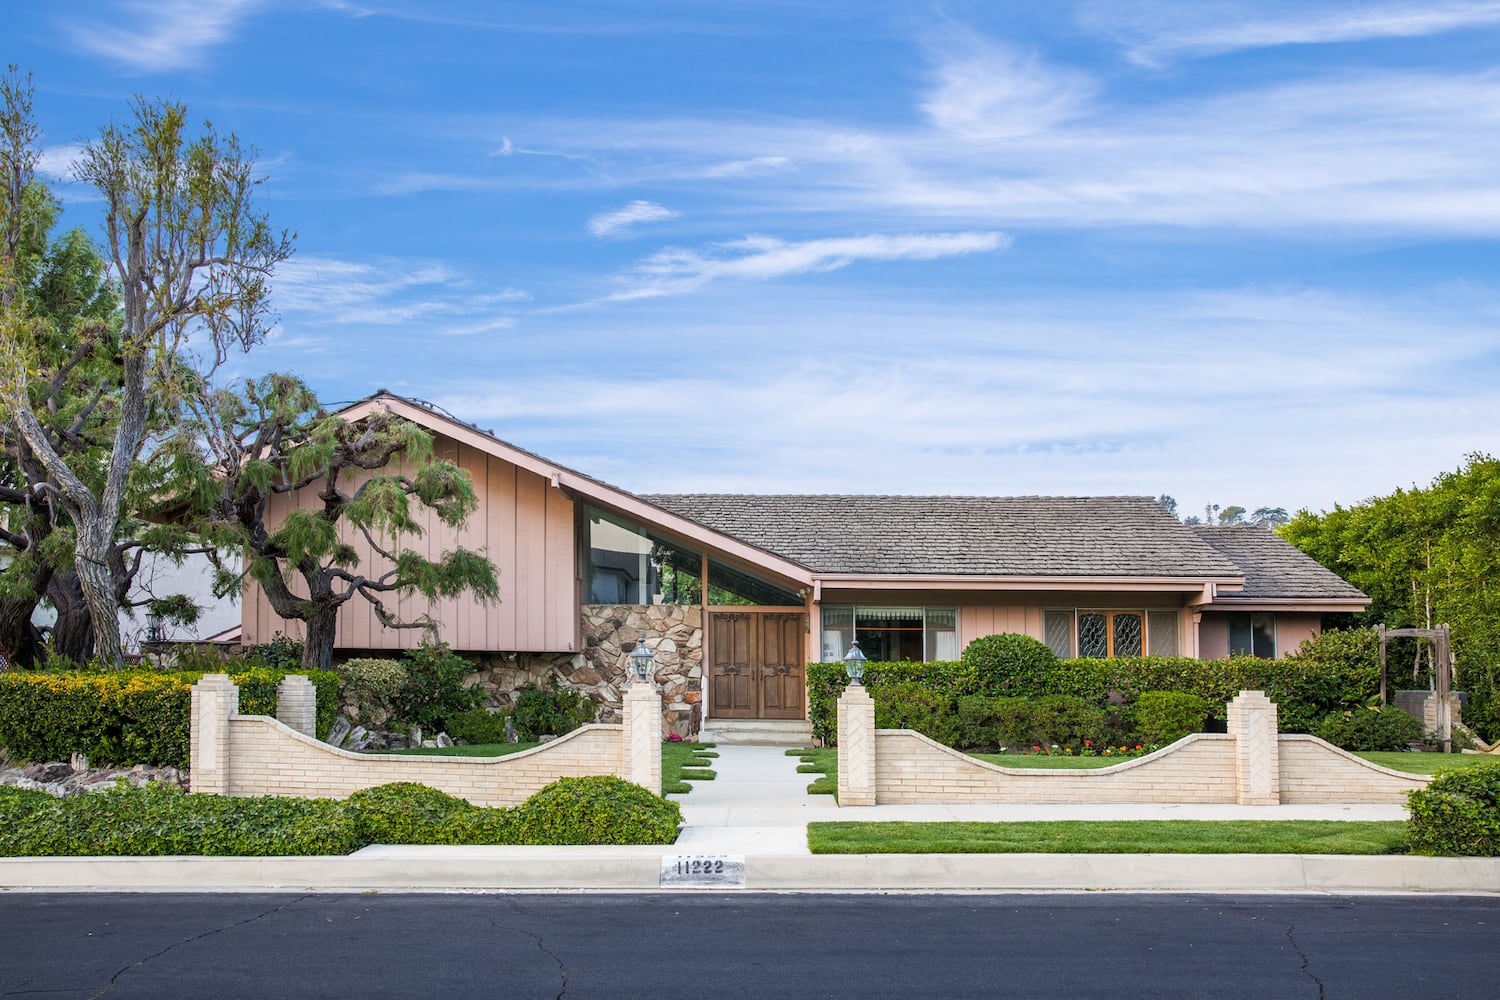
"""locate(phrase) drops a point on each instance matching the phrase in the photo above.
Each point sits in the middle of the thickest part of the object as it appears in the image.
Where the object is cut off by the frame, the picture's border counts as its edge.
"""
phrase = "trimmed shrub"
(909, 705)
(435, 691)
(1458, 814)
(1163, 717)
(826, 682)
(129, 716)
(1371, 729)
(478, 725)
(540, 712)
(405, 812)
(373, 685)
(1010, 664)
(596, 810)
(158, 819)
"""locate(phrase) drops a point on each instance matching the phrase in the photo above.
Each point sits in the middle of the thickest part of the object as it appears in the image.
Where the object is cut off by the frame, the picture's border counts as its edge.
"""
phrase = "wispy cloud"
(985, 90)
(153, 36)
(760, 258)
(747, 168)
(1156, 34)
(388, 291)
(633, 214)
(56, 162)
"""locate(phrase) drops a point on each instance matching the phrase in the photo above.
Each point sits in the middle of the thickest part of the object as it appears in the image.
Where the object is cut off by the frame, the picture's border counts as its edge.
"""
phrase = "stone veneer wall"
(673, 633)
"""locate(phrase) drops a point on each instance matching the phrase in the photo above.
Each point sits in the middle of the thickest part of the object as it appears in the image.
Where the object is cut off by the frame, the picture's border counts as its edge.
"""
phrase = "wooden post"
(1380, 631)
(1443, 671)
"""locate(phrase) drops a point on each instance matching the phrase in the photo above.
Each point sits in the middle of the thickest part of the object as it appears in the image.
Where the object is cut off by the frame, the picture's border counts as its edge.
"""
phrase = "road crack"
(541, 944)
(115, 979)
(1306, 970)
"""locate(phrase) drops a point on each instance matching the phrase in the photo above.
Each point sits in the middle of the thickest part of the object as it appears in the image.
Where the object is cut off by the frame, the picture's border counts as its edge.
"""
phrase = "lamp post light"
(641, 661)
(854, 664)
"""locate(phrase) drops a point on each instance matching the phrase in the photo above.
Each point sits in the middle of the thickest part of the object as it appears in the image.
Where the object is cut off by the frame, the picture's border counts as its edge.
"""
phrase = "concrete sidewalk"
(758, 804)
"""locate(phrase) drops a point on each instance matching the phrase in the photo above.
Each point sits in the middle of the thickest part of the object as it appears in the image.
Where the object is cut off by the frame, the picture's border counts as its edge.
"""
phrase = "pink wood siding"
(523, 524)
(975, 622)
(1292, 630)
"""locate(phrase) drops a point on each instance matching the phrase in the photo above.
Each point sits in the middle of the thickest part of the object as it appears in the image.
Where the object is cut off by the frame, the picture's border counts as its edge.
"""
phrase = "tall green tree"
(1426, 555)
(191, 256)
(270, 437)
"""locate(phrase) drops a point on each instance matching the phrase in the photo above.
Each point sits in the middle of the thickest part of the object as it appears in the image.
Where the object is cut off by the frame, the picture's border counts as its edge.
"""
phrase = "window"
(628, 565)
(1252, 634)
(1057, 632)
(1111, 633)
(890, 634)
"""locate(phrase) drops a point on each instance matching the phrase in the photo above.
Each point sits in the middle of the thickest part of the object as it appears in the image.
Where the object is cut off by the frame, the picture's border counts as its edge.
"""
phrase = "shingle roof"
(1274, 568)
(978, 536)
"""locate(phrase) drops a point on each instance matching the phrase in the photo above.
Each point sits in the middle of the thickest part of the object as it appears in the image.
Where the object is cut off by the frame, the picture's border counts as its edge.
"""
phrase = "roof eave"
(922, 581)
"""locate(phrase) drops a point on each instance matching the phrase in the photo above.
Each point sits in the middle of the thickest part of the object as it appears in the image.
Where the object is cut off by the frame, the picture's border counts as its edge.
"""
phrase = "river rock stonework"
(673, 633)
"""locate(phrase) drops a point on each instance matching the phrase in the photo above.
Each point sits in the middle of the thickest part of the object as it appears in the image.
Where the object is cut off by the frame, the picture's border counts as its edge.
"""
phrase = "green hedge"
(1363, 728)
(130, 716)
(1333, 672)
(1458, 814)
(162, 820)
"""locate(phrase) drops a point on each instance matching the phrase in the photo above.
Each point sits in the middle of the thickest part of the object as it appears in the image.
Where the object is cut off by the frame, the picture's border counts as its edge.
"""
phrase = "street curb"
(637, 868)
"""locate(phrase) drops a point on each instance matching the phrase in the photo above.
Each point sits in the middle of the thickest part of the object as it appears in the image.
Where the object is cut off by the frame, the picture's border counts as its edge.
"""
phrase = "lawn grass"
(680, 762)
(1112, 837)
(685, 762)
(823, 761)
(1422, 763)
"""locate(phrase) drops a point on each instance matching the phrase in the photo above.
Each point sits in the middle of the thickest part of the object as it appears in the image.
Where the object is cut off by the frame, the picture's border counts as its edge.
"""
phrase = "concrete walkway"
(758, 804)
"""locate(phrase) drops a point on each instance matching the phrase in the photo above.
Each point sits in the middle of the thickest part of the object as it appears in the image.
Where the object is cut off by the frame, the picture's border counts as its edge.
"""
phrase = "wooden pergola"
(1442, 670)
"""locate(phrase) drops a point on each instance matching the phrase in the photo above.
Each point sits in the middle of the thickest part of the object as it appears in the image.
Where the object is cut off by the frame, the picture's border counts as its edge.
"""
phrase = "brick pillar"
(642, 736)
(214, 699)
(1252, 723)
(856, 735)
(297, 704)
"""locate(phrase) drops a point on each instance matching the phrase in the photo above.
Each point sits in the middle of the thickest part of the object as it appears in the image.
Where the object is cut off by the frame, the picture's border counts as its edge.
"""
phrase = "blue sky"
(1238, 253)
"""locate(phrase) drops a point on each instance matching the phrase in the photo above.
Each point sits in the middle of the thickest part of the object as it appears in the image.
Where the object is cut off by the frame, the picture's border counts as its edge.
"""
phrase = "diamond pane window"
(1128, 629)
(1093, 634)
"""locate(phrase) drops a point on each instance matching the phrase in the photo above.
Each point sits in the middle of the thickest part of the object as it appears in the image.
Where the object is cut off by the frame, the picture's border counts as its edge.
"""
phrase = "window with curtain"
(889, 634)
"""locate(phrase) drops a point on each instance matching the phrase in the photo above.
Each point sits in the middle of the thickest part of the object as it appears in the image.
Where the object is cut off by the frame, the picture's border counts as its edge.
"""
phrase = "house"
(586, 569)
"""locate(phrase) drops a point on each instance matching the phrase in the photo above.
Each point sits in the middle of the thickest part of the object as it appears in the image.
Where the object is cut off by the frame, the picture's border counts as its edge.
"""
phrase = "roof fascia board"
(1286, 604)
(569, 481)
(888, 581)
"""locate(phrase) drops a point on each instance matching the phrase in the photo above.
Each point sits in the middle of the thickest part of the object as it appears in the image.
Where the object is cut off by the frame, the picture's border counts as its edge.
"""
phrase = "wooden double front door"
(755, 664)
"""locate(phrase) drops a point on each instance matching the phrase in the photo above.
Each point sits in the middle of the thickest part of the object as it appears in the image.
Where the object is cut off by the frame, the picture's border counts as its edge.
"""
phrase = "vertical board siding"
(523, 525)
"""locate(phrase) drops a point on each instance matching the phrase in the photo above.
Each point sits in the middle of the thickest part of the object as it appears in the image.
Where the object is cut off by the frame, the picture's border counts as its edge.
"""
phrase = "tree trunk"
(321, 628)
(73, 635)
(20, 643)
(98, 586)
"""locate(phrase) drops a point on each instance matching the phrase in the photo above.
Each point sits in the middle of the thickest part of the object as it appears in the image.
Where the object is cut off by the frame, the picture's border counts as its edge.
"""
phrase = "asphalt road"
(443, 947)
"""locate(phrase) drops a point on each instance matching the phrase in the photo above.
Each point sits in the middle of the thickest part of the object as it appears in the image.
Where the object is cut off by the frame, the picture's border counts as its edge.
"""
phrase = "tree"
(242, 449)
(1426, 555)
(191, 256)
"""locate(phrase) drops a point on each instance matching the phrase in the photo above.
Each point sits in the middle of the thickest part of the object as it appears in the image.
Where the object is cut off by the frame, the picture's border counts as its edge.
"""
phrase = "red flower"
(1088, 743)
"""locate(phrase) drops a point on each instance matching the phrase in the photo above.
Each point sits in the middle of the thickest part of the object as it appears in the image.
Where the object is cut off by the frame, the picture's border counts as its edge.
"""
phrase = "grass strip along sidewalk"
(1173, 836)
(681, 761)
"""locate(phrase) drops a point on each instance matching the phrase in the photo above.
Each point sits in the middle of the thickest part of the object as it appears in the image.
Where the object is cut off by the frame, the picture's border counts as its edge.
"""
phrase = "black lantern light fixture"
(854, 664)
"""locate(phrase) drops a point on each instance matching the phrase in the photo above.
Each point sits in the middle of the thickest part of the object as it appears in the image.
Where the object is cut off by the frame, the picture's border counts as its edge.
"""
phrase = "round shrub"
(435, 691)
(600, 809)
(1010, 664)
(540, 712)
(405, 812)
(478, 725)
(1163, 717)
(1371, 729)
(373, 685)
(1458, 814)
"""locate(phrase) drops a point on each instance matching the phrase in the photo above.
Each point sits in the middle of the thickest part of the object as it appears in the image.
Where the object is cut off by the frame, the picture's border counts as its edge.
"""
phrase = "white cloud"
(1217, 31)
(983, 90)
(676, 271)
(158, 35)
(1291, 397)
(56, 162)
(387, 291)
(633, 214)
(747, 168)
